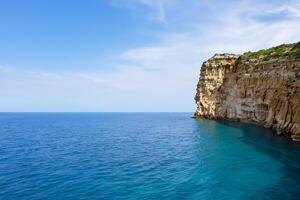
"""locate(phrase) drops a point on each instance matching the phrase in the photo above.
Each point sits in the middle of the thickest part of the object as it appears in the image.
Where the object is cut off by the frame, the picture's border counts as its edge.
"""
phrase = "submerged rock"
(258, 87)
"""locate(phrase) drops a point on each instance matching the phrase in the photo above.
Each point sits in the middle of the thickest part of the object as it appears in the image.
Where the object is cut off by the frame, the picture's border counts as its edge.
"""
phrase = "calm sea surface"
(142, 156)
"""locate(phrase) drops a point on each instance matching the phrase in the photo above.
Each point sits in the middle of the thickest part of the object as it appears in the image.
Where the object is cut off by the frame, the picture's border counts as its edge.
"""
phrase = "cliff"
(257, 87)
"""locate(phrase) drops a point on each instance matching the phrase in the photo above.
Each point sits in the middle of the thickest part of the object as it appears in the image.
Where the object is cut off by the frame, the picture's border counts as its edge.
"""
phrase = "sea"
(143, 156)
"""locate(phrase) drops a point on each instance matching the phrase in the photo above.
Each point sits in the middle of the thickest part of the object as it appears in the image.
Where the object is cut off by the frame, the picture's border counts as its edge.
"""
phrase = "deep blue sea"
(142, 156)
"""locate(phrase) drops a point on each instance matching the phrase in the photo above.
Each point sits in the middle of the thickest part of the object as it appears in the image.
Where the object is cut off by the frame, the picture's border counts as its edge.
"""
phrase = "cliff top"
(224, 58)
(284, 51)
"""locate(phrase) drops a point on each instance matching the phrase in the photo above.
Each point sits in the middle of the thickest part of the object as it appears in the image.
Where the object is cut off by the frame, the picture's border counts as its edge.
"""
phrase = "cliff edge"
(258, 87)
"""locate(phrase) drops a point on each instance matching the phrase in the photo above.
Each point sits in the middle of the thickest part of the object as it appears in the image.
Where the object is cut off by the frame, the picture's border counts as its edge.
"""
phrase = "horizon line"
(2, 112)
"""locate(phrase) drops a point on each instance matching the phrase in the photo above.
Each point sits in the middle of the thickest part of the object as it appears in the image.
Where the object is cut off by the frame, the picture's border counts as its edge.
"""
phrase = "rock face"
(261, 87)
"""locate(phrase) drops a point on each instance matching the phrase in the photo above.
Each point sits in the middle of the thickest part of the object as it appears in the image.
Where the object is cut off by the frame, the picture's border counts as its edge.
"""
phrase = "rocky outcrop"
(261, 87)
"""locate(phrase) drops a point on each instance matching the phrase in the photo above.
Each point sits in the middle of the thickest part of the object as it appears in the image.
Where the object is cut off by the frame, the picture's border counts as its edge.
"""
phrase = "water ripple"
(142, 156)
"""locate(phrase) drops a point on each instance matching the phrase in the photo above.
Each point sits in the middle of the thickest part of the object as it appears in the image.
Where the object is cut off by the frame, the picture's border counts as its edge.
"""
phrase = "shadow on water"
(280, 149)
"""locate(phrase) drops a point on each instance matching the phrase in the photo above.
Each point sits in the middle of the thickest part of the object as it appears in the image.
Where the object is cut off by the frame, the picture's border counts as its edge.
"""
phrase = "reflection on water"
(273, 162)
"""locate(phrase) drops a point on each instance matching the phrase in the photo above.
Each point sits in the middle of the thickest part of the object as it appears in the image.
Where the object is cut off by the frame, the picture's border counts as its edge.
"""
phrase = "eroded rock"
(257, 89)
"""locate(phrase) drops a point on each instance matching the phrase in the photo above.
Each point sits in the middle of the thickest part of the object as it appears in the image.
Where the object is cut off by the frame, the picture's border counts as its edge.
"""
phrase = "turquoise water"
(142, 156)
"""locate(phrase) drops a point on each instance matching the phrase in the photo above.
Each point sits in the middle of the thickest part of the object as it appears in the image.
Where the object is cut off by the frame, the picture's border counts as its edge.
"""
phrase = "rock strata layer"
(261, 87)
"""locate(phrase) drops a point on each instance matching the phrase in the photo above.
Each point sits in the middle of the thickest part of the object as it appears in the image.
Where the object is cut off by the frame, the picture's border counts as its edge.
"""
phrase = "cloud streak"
(6, 69)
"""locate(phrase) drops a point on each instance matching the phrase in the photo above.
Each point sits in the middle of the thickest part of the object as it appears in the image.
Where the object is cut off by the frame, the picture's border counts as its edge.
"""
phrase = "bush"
(285, 51)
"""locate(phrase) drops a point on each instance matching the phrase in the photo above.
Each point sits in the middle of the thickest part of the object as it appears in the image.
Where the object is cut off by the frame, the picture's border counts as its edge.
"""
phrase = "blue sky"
(126, 55)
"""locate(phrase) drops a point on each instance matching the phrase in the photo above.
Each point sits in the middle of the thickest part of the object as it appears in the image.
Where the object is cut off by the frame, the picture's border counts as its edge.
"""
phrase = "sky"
(126, 55)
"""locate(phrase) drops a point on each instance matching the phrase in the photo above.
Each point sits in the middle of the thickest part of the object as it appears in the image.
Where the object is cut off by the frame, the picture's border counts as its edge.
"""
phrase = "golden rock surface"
(262, 92)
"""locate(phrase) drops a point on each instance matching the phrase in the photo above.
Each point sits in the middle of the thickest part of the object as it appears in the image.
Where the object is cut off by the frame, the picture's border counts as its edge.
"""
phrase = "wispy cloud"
(6, 69)
(157, 5)
(157, 9)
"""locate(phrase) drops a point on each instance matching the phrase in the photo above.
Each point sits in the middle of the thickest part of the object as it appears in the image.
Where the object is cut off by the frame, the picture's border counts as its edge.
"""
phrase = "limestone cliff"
(258, 87)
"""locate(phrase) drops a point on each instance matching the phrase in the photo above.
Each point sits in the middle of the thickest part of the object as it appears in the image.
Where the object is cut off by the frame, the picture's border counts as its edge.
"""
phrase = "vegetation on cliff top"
(285, 51)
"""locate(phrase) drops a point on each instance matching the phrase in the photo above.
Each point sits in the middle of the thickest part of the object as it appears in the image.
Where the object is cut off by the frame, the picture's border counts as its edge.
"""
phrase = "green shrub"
(285, 51)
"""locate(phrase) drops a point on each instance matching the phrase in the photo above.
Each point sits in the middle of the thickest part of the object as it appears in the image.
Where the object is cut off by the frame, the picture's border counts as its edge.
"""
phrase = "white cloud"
(158, 9)
(158, 6)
